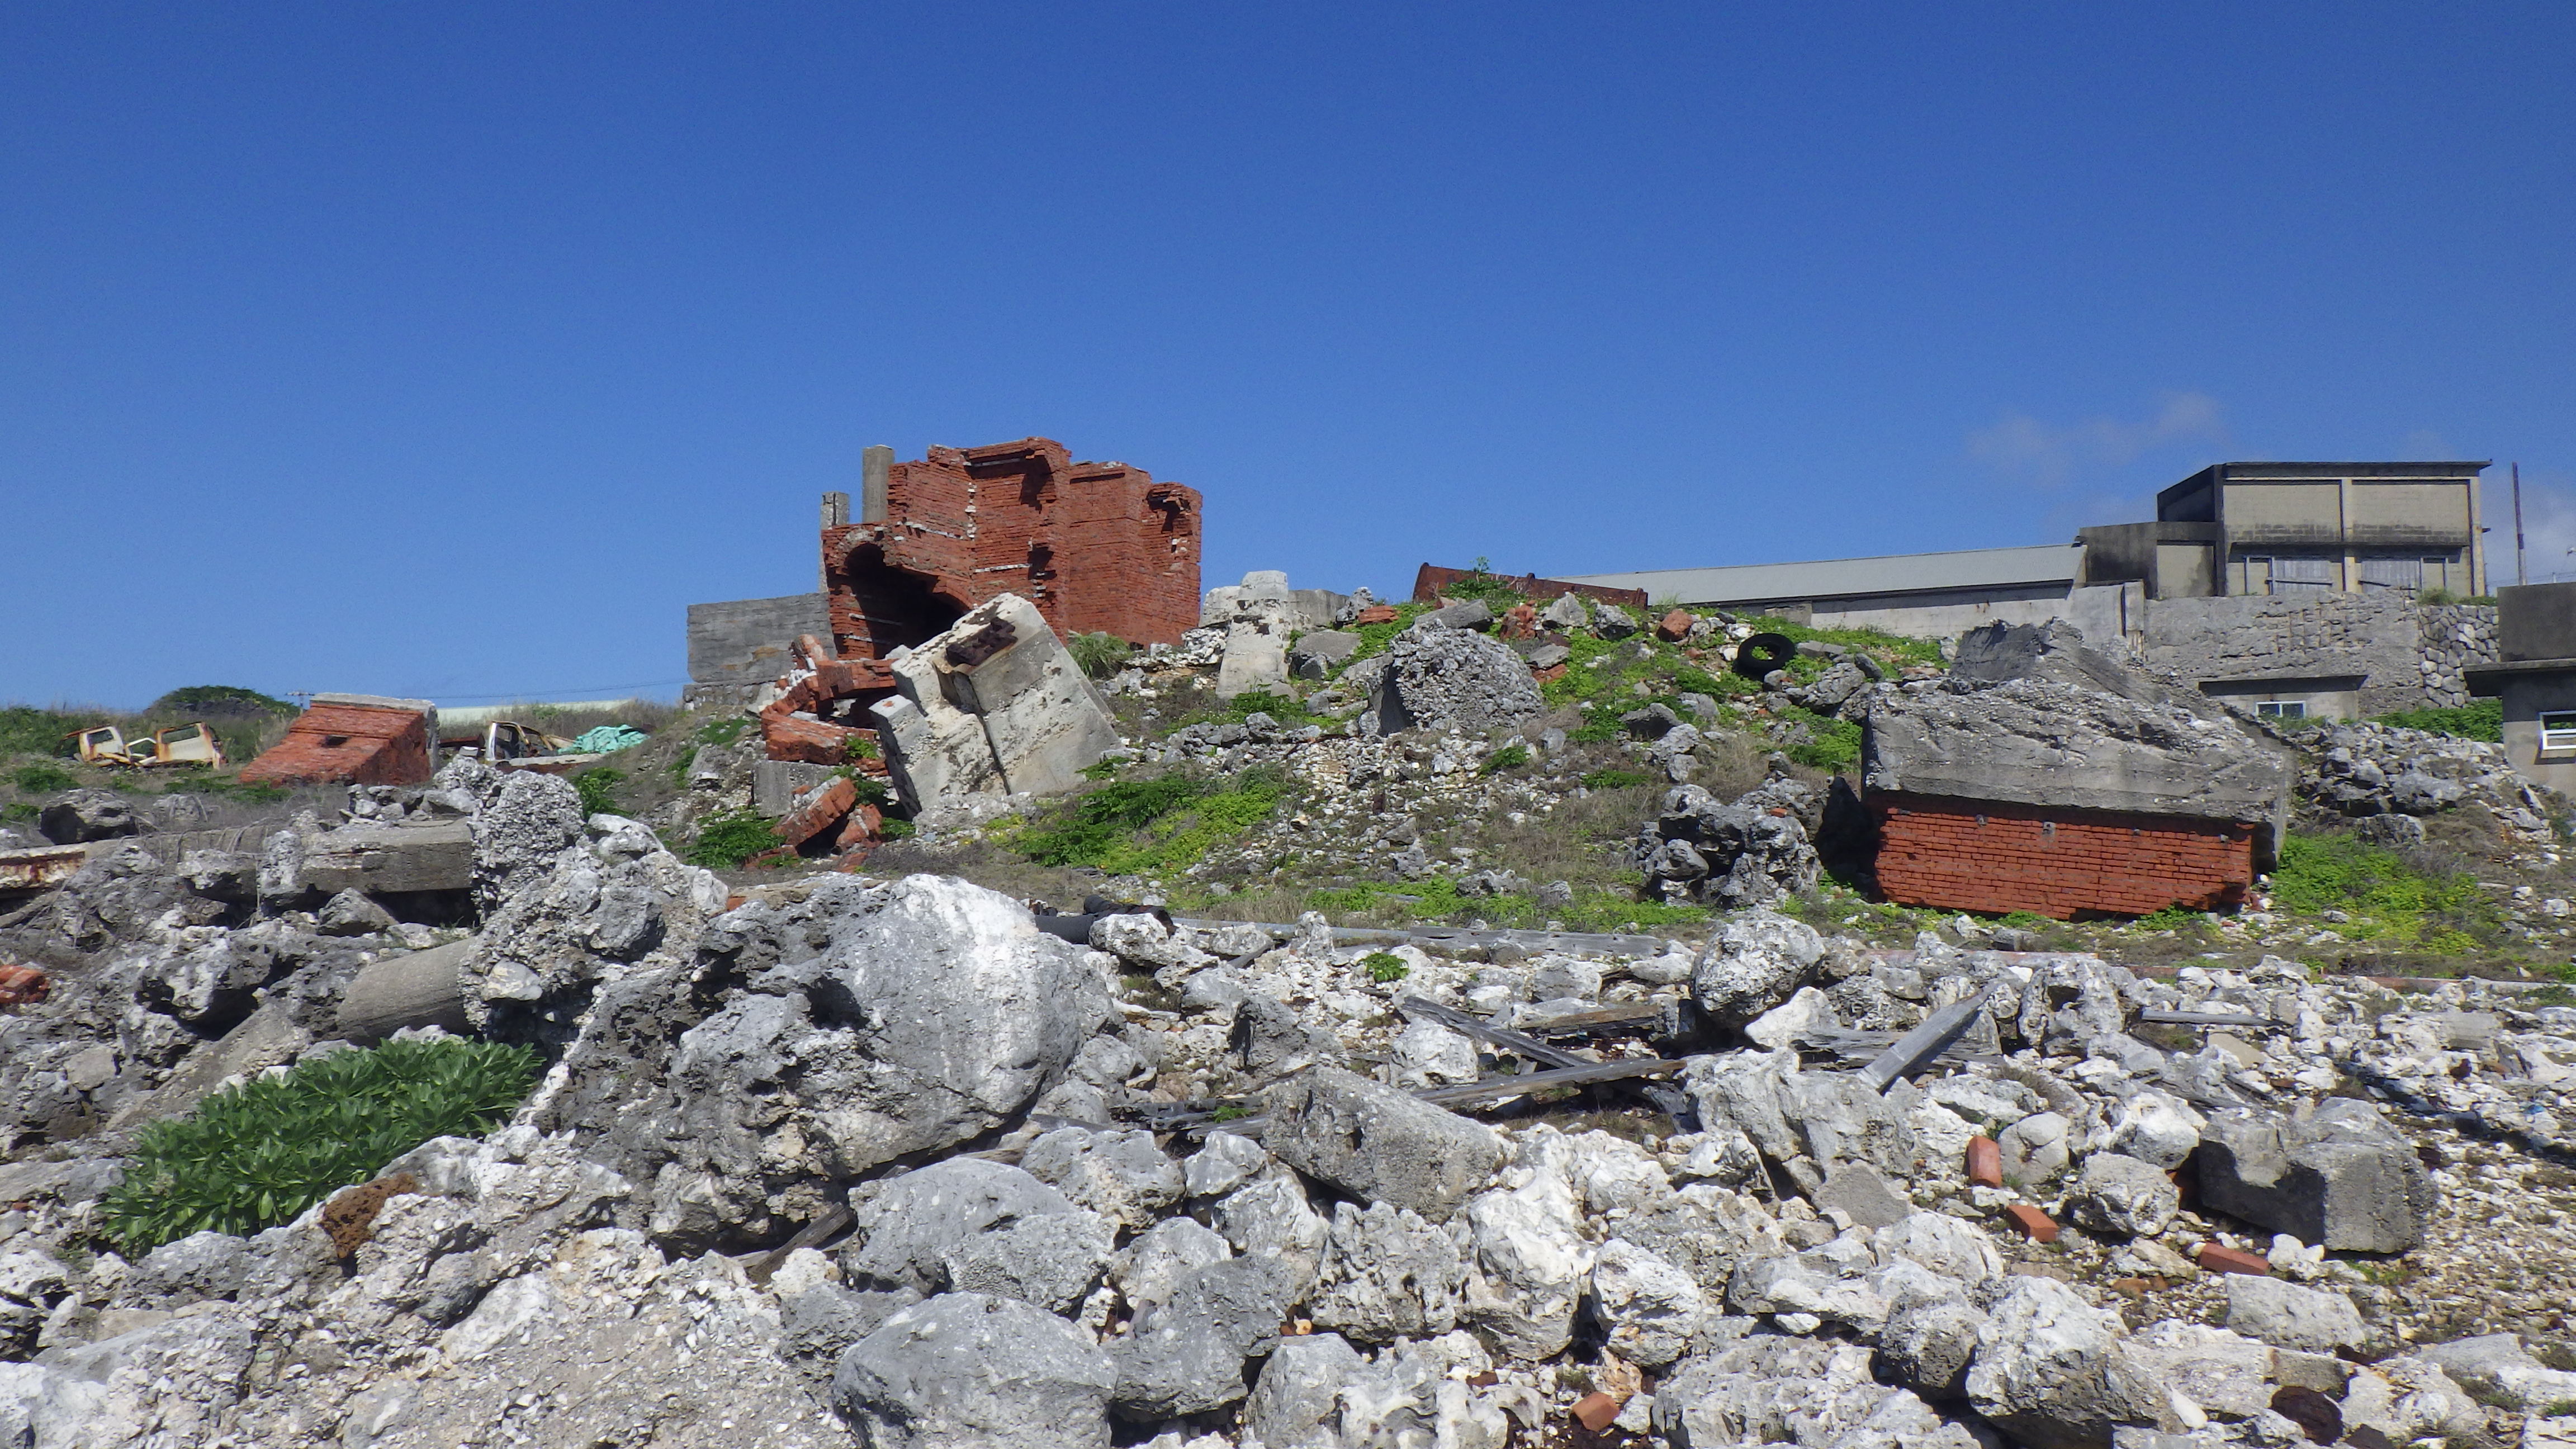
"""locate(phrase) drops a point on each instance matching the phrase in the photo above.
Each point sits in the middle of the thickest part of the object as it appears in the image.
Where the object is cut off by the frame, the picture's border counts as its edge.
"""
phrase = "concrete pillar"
(876, 475)
(836, 512)
(2343, 525)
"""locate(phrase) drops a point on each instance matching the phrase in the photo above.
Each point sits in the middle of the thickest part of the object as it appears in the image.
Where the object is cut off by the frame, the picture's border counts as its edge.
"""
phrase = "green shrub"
(1482, 583)
(864, 747)
(256, 1155)
(2481, 719)
(2383, 893)
(28, 731)
(215, 701)
(895, 829)
(597, 787)
(680, 765)
(1613, 778)
(42, 779)
(1601, 729)
(726, 841)
(1385, 967)
(1509, 757)
(1099, 655)
(722, 731)
(1102, 820)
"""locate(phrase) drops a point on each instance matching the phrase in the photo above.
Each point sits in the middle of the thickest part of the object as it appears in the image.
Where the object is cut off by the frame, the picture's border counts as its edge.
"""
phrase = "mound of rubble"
(846, 1161)
(2387, 779)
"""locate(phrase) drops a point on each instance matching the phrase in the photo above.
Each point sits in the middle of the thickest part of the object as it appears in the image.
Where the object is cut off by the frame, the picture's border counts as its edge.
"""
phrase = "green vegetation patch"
(2387, 897)
(256, 1155)
(597, 787)
(1509, 757)
(1099, 655)
(1835, 743)
(1611, 777)
(1134, 826)
(725, 841)
(2481, 719)
(216, 701)
(1385, 967)
(722, 731)
(247, 791)
(25, 730)
(42, 779)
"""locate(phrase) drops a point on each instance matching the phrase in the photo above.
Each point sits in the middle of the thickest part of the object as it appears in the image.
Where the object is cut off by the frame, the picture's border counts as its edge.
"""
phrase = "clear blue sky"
(453, 349)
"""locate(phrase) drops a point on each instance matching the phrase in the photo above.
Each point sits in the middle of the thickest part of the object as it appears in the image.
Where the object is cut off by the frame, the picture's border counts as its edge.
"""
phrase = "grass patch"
(2386, 896)
(1133, 827)
(722, 731)
(1611, 777)
(256, 1155)
(726, 841)
(249, 792)
(42, 778)
(2481, 719)
(1099, 655)
(1834, 745)
(1385, 967)
(1509, 757)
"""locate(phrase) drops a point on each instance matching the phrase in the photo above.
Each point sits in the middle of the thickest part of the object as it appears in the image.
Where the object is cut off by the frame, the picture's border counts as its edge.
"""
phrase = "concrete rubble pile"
(2388, 779)
(994, 707)
(846, 1161)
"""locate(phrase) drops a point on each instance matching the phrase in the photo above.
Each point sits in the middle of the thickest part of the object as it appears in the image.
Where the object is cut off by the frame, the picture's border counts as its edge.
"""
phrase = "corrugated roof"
(1902, 573)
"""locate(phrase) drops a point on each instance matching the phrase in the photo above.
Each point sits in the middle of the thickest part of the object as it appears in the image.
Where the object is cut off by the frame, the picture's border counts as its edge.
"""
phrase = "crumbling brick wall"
(1969, 855)
(1096, 546)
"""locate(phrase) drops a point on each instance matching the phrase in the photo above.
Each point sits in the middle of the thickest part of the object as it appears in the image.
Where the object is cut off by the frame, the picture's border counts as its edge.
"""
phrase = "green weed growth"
(1385, 967)
(1099, 655)
(1509, 757)
(2481, 719)
(42, 779)
(726, 841)
(597, 787)
(258, 1154)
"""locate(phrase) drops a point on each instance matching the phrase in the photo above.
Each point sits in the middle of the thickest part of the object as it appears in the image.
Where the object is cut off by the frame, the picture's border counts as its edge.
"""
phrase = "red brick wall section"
(376, 747)
(1430, 579)
(1096, 546)
(1971, 855)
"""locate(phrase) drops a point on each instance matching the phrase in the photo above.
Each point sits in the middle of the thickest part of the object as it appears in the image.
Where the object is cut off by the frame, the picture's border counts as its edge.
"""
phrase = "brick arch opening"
(883, 607)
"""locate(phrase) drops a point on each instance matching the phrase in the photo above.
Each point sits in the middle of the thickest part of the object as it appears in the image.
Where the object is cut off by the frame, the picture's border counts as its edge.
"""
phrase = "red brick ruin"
(1984, 855)
(1095, 546)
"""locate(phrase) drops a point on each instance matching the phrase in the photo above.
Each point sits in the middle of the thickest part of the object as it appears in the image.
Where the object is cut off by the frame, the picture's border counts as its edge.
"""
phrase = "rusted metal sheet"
(39, 869)
(1430, 579)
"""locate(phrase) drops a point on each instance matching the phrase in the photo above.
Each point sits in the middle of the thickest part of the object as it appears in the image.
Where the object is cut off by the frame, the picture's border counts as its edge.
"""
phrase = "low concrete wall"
(744, 641)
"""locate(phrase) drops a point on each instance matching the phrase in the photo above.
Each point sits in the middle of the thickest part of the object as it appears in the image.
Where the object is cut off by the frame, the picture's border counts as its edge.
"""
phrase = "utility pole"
(2517, 525)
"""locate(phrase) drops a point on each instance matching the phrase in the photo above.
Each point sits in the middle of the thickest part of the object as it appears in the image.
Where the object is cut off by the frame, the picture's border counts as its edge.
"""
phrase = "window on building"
(2406, 574)
(2291, 709)
(2558, 729)
(2314, 575)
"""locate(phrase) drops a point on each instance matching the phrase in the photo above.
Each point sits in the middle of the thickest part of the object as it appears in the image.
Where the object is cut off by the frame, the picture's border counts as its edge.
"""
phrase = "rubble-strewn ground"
(834, 1156)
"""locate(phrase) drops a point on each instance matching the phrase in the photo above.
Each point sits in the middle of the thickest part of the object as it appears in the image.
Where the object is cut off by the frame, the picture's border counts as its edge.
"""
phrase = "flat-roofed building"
(2302, 528)
(1922, 594)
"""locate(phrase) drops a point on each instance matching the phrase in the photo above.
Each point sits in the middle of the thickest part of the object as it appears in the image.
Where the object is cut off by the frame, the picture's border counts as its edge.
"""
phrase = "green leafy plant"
(1231, 1113)
(895, 829)
(2384, 895)
(1601, 729)
(2481, 719)
(864, 747)
(1102, 820)
(726, 841)
(2171, 918)
(256, 1155)
(1385, 966)
(1098, 654)
(1834, 743)
(42, 779)
(1611, 777)
(722, 731)
(1483, 584)
(1509, 757)
(1135, 826)
(598, 790)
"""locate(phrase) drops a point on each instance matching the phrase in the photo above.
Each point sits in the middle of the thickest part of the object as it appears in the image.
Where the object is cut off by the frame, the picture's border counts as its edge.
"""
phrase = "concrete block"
(775, 784)
(435, 855)
(1043, 722)
(2335, 1174)
(1377, 1143)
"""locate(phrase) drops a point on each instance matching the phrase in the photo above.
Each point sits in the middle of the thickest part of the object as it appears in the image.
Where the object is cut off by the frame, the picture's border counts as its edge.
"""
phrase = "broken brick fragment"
(1985, 1162)
(1596, 1411)
(1374, 614)
(1520, 621)
(824, 811)
(861, 828)
(1675, 626)
(794, 737)
(2215, 1259)
(2031, 1223)
(350, 1217)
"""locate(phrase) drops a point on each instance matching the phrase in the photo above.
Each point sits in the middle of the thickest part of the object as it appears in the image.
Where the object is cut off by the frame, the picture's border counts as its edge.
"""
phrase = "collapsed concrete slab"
(2336, 1174)
(433, 855)
(996, 705)
(2048, 777)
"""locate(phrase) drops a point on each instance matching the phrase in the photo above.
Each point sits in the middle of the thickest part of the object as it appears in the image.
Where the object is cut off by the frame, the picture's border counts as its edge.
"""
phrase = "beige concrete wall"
(2258, 511)
(2414, 508)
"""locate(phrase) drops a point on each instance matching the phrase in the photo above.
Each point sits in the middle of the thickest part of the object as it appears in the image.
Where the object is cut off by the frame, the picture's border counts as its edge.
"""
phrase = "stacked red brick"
(1096, 546)
(1999, 857)
(351, 740)
(2045, 776)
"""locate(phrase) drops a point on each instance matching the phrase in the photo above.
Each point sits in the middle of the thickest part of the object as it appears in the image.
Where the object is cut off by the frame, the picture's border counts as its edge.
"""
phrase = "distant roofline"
(1879, 574)
(2430, 469)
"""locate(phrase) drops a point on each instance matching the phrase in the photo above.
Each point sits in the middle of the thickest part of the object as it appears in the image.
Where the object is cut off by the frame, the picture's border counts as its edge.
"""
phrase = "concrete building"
(2301, 529)
(2535, 677)
(1929, 595)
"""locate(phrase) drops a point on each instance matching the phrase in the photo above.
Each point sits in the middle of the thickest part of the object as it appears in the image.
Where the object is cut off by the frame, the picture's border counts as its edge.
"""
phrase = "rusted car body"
(510, 745)
(187, 744)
